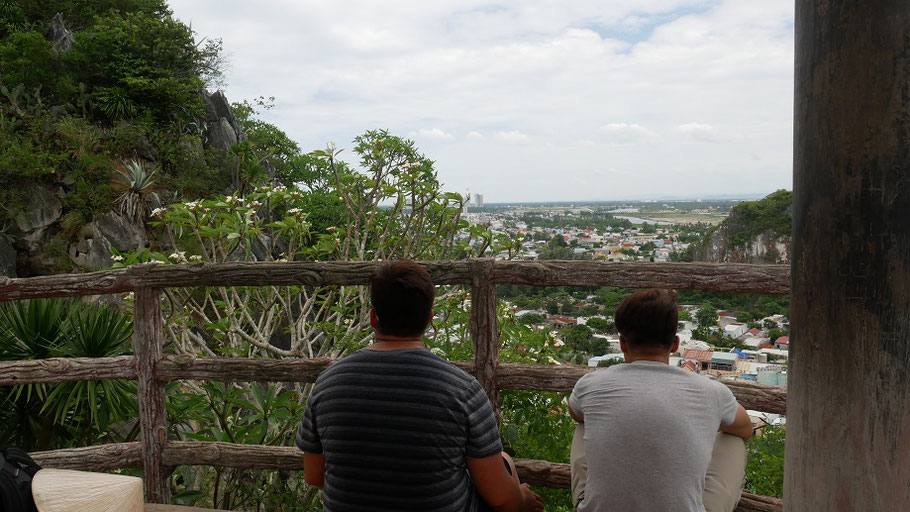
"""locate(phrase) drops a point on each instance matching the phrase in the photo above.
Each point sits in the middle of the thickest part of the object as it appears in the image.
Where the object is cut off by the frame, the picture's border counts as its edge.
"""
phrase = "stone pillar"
(848, 431)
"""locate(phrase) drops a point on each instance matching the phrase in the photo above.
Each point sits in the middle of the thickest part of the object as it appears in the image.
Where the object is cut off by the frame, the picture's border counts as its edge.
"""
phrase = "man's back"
(395, 428)
(649, 432)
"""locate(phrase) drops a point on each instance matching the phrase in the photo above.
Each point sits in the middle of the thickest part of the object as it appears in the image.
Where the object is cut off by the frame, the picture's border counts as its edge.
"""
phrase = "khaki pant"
(723, 482)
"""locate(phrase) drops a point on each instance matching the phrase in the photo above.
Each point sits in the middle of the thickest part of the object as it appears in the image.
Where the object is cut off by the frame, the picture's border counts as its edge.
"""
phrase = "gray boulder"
(91, 251)
(42, 210)
(7, 258)
(120, 233)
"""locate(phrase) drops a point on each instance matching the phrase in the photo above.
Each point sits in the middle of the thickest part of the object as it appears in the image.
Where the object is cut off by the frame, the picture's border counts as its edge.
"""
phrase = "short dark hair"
(647, 319)
(402, 294)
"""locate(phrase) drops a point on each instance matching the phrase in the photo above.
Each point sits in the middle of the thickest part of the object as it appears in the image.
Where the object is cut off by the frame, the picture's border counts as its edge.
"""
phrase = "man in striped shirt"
(394, 427)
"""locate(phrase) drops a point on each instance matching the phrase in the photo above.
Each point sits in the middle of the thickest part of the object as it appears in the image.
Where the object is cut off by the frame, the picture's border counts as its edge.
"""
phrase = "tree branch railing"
(153, 369)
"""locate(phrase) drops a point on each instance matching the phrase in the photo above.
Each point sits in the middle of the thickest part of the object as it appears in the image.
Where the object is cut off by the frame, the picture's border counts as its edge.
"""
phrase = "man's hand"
(530, 500)
(500, 490)
(741, 426)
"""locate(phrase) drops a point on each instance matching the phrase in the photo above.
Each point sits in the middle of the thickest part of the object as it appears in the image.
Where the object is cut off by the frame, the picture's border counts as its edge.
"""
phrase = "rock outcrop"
(43, 209)
(754, 232)
(37, 243)
(221, 127)
(91, 249)
(60, 35)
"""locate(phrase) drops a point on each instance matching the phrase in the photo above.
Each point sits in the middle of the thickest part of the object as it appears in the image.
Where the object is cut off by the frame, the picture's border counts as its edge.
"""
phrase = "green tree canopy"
(706, 316)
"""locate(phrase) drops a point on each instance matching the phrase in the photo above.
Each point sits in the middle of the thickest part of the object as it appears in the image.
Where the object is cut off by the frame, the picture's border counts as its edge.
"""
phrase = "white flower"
(117, 257)
(157, 211)
(438, 351)
(195, 257)
(559, 343)
(553, 360)
(294, 211)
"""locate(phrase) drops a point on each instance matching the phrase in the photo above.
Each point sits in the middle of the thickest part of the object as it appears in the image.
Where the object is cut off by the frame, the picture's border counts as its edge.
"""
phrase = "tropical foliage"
(42, 416)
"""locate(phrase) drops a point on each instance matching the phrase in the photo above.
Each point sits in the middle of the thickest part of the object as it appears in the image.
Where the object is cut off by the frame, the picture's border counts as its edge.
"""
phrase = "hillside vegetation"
(755, 232)
(104, 116)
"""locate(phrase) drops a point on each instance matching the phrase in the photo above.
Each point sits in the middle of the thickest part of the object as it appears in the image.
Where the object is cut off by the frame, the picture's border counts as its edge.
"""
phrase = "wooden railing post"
(148, 344)
(485, 329)
(850, 313)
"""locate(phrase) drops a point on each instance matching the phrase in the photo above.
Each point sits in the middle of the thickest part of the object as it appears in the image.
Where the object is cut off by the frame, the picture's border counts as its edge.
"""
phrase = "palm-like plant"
(94, 332)
(32, 416)
(136, 184)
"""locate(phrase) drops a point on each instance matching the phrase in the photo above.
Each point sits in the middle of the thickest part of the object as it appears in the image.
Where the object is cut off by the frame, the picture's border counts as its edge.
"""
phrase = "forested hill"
(104, 116)
(754, 232)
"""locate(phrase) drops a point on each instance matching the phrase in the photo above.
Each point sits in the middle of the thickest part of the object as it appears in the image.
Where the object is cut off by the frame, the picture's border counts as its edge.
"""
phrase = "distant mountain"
(754, 232)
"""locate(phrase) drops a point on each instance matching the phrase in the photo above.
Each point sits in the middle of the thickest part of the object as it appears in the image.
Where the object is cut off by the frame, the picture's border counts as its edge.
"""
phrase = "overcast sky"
(530, 100)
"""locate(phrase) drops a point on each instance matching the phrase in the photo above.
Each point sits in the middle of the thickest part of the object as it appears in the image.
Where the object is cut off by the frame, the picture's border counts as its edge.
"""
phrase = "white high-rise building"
(478, 200)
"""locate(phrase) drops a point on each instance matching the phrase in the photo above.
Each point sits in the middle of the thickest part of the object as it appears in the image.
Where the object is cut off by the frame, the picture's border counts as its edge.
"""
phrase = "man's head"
(646, 321)
(402, 294)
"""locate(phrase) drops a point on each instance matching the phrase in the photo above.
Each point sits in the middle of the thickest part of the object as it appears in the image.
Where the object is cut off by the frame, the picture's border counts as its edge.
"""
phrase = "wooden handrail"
(520, 376)
(201, 453)
(718, 277)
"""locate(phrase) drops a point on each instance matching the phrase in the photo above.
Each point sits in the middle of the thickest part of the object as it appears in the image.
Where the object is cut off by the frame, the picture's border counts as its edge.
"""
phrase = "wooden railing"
(156, 455)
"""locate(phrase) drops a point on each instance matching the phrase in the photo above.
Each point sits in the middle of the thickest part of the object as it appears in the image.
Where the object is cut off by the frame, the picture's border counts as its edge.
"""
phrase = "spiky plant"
(136, 184)
(41, 416)
(97, 331)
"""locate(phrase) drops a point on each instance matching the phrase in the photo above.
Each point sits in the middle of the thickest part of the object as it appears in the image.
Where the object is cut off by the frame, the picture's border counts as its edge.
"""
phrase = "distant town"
(726, 344)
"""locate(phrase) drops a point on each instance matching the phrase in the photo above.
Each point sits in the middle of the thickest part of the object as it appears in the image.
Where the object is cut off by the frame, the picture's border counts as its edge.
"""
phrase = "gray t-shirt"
(649, 432)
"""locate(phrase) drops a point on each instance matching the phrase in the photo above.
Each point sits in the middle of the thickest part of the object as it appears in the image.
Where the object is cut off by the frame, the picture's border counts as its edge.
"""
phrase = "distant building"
(782, 343)
(478, 200)
(724, 361)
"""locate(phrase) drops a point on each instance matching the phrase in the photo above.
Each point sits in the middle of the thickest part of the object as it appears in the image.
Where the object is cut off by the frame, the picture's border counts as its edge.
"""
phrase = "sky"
(530, 100)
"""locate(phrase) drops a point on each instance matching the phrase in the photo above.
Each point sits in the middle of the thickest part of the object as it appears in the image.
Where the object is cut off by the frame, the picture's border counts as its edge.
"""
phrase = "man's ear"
(374, 318)
(622, 344)
(675, 346)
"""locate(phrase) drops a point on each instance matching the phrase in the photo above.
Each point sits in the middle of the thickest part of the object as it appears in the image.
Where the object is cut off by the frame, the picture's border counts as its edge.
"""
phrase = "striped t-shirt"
(395, 428)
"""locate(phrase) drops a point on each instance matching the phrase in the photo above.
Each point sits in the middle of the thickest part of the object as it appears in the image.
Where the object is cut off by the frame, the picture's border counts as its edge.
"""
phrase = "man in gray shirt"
(652, 437)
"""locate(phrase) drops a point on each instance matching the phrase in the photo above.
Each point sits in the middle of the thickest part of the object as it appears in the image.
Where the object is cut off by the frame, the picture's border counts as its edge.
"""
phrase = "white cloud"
(557, 70)
(585, 143)
(431, 133)
(624, 133)
(512, 136)
(698, 131)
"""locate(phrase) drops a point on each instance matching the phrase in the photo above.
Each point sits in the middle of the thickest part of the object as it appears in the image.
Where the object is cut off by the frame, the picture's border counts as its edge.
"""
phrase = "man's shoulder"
(417, 361)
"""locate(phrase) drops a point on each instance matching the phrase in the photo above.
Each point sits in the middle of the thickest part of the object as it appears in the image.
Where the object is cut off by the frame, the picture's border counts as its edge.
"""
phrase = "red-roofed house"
(702, 357)
(559, 322)
(782, 343)
(754, 331)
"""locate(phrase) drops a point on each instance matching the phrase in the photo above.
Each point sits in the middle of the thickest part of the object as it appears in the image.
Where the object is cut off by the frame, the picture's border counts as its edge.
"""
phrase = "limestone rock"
(42, 210)
(7, 258)
(120, 233)
(221, 127)
(91, 253)
(61, 36)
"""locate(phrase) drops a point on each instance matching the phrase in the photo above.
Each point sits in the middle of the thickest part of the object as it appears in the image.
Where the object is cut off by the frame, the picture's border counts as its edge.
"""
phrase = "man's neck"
(386, 342)
(659, 358)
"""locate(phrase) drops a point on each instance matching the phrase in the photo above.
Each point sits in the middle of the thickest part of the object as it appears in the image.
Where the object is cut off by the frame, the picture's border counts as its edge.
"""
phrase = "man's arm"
(741, 426)
(575, 416)
(497, 487)
(314, 469)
